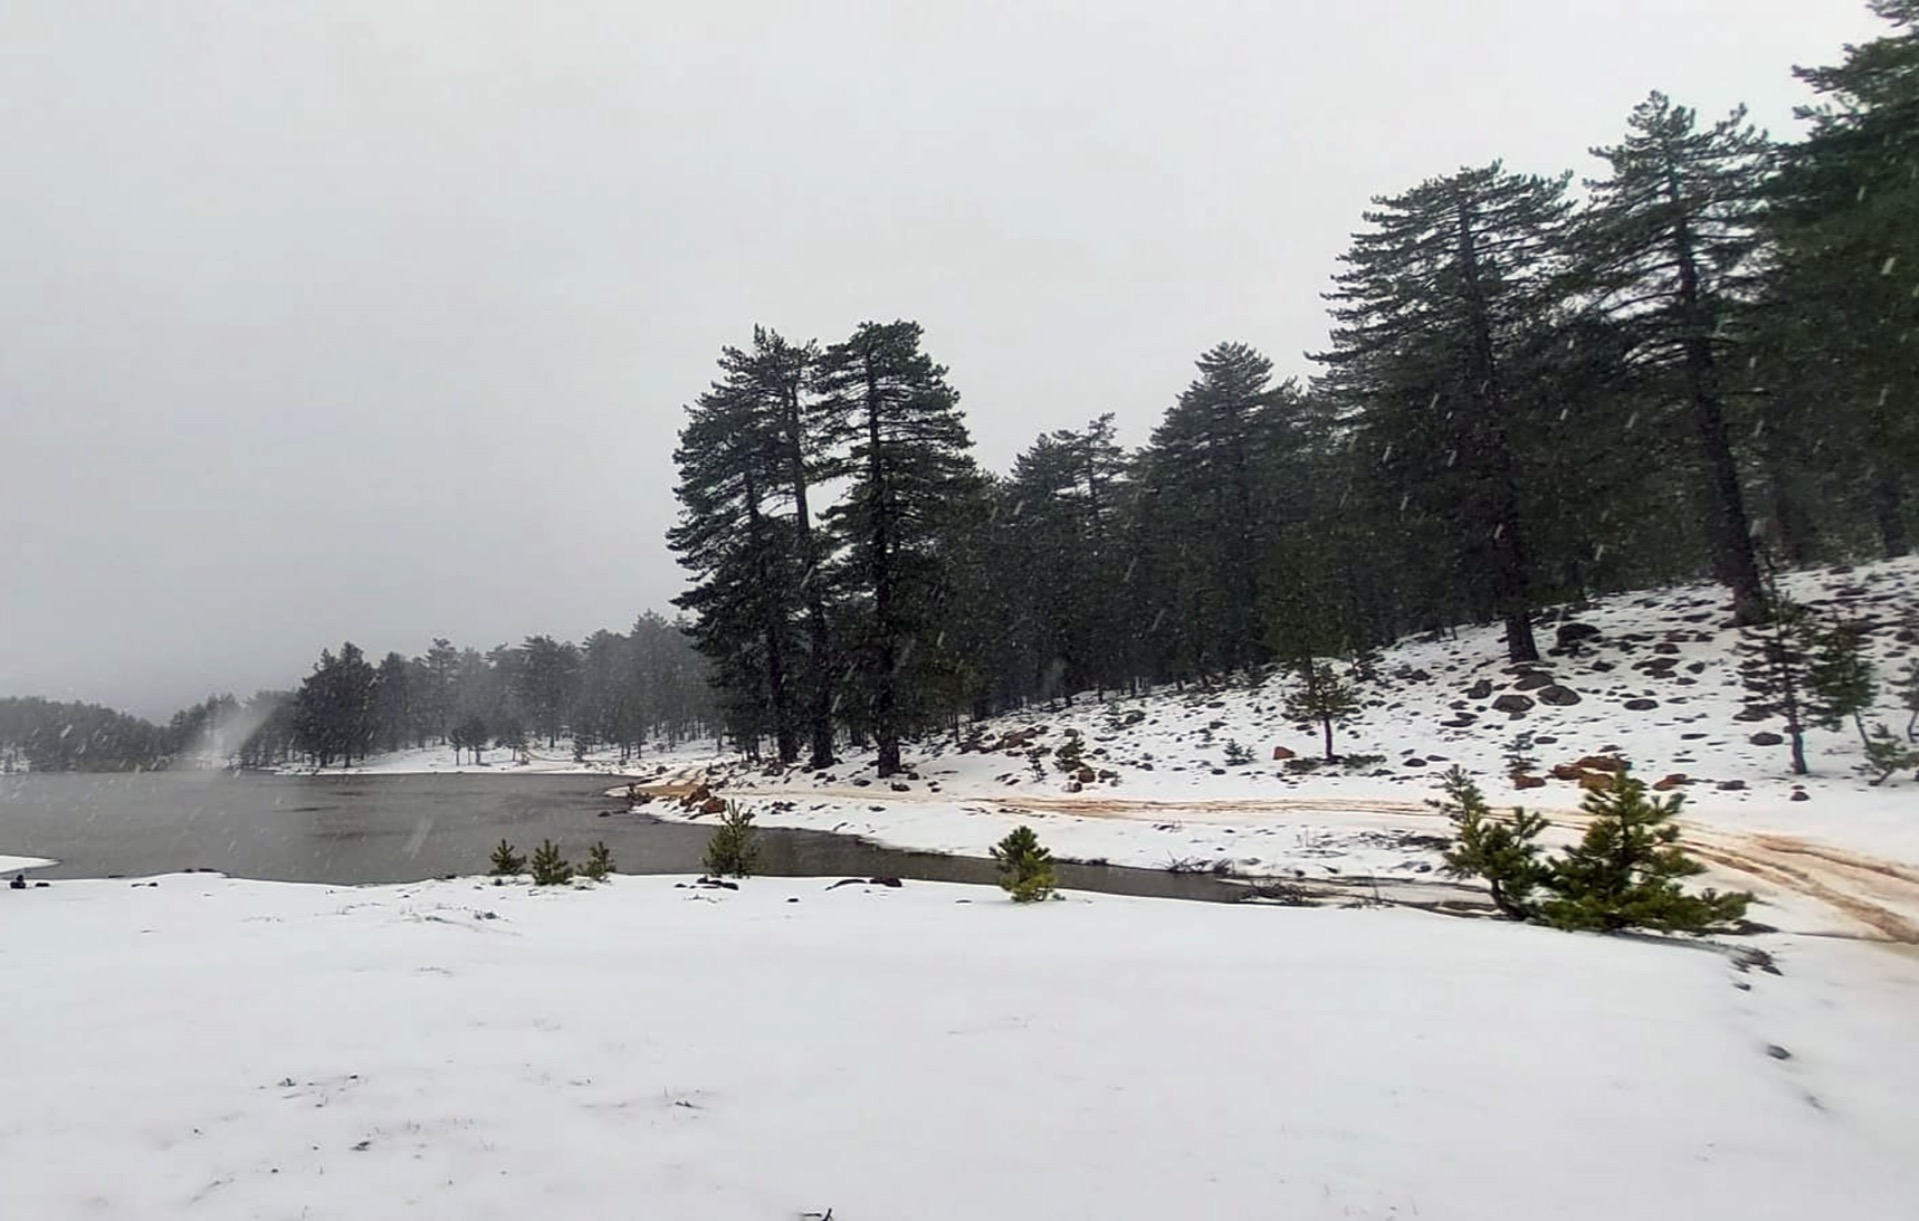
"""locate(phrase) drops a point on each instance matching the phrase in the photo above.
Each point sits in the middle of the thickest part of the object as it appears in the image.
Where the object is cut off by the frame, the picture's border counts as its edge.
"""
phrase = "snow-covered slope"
(198, 1047)
(1653, 678)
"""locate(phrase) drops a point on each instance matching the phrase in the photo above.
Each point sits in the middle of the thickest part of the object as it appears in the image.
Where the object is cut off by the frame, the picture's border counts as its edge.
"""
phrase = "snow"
(537, 761)
(215, 1048)
(1844, 860)
(18, 864)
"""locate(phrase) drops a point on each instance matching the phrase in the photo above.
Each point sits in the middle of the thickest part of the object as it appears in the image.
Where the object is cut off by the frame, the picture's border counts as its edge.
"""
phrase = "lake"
(351, 830)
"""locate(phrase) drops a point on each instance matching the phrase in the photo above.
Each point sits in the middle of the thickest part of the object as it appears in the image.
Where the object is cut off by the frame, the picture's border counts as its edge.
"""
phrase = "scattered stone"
(1544, 740)
(1766, 738)
(1517, 705)
(1602, 763)
(1674, 781)
(889, 883)
(1801, 795)
(1595, 782)
(900, 786)
(1568, 634)
(1777, 1052)
(1481, 690)
(1532, 680)
(1413, 762)
(1748, 958)
(1281, 754)
(1732, 786)
(1558, 696)
(713, 805)
(1641, 705)
(1523, 781)
(1666, 647)
(1753, 714)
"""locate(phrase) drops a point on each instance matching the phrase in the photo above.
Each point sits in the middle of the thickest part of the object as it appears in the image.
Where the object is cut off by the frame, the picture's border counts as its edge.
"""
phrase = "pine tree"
(1777, 668)
(1846, 231)
(1840, 678)
(1435, 317)
(1669, 247)
(1320, 695)
(506, 862)
(599, 863)
(1505, 854)
(733, 848)
(1025, 867)
(893, 427)
(1625, 872)
(548, 867)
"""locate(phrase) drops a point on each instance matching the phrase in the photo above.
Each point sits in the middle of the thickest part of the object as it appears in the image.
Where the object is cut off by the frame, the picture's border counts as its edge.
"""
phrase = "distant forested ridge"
(1702, 363)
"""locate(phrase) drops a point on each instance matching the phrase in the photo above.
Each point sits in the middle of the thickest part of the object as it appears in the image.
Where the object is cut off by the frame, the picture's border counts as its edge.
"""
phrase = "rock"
(1532, 680)
(1075, 786)
(1086, 775)
(1766, 738)
(1732, 786)
(1601, 763)
(1753, 714)
(1558, 696)
(1413, 762)
(1595, 782)
(19, 882)
(1566, 771)
(900, 786)
(1666, 647)
(1641, 705)
(1674, 781)
(1517, 705)
(1544, 740)
(1281, 754)
(890, 883)
(1567, 635)
(1777, 1052)
(1801, 795)
(1481, 690)
(1523, 781)
(713, 805)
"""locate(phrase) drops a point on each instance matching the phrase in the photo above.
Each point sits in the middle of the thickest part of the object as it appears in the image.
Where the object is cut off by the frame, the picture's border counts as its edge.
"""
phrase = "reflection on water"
(406, 828)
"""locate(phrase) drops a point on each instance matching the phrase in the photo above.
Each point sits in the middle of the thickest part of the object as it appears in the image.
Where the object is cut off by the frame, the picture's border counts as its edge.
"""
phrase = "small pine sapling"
(734, 849)
(599, 863)
(1840, 678)
(1776, 669)
(1504, 854)
(1321, 695)
(1025, 867)
(1625, 873)
(1907, 688)
(1520, 760)
(1070, 757)
(1887, 755)
(506, 862)
(549, 867)
(1238, 755)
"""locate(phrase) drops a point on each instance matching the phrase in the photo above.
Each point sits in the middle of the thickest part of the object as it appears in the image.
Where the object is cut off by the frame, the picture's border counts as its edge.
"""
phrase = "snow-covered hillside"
(1650, 677)
(198, 1047)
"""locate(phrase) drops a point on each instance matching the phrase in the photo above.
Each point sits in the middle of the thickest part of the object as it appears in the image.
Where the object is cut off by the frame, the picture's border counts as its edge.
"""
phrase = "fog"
(374, 321)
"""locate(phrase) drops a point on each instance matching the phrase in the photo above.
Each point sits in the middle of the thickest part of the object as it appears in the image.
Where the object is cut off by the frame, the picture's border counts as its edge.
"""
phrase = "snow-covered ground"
(15, 864)
(538, 761)
(1658, 684)
(199, 1047)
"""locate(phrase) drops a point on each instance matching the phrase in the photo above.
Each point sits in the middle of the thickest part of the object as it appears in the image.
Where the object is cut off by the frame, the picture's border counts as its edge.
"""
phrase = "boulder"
(1558, 696)
(1532, 680)
(1566, 771)
(713, 805)
(1753, 714)
(1801, 795)
(1601, 763)
(1766, 738)
(1674, 781)
(1595, 782)
(1281, 754)
(1732, 786)
(1517, 705)
(1641, 705)
(1523, 781)
(1481, 690)
(1567, 635)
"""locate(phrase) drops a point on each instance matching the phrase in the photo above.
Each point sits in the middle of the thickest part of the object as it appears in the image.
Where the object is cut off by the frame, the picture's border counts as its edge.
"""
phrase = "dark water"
(365, 829)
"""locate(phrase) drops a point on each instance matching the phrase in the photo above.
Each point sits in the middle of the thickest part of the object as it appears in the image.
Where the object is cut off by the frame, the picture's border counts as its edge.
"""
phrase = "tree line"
(1701, 362)
(613, 690)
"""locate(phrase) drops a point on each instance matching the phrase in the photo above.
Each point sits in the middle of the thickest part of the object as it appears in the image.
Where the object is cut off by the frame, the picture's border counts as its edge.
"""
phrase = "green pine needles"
(599, 863)
(506, 862)
(549, 867)
(1624, 874)
(1025, 867)
(734, 849)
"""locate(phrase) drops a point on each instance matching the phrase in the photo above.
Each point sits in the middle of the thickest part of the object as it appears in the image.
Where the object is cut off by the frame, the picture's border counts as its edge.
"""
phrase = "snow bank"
(17, 864)
(226, 1049)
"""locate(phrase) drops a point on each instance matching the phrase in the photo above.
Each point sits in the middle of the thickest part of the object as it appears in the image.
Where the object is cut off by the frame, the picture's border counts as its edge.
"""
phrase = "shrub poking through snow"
(599, 863)
(549, 867)
(1505, 854)
(1025, 867)
(1238, 755)
(506, 862)
(1069, 757)
(1624, 874)
(1841, 679)
(734, 849)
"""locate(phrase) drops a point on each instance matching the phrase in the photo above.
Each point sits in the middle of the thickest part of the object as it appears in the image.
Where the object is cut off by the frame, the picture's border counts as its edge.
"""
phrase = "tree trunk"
(1733, 561)
(1797, 737)
(1326, 728)
(886, 737)
(1888, 511)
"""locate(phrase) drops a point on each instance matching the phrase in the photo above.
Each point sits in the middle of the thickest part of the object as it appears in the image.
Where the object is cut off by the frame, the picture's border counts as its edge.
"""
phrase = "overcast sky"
(374, 319)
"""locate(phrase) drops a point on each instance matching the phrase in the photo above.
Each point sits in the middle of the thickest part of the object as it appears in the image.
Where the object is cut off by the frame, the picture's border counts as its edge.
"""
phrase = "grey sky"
(373, 319)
